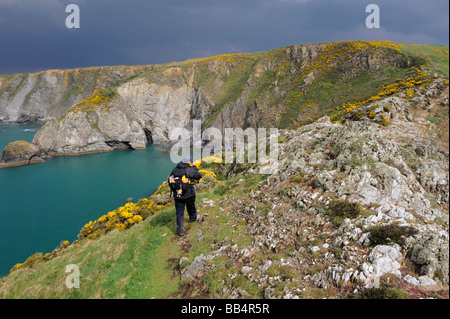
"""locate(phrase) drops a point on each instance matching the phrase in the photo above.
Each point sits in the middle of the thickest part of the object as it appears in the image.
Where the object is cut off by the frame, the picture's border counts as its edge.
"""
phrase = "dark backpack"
(177, 186)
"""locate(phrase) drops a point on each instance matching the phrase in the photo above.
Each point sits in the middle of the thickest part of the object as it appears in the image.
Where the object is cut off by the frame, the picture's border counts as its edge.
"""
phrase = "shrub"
(35, 259)
(110, 92)
(383, 121)
(282, 271)
(342, 209)
(239, 281)
(300, 178)
(386, 234)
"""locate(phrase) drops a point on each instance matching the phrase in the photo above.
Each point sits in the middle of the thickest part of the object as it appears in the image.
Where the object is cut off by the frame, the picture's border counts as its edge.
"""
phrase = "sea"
(43, 204)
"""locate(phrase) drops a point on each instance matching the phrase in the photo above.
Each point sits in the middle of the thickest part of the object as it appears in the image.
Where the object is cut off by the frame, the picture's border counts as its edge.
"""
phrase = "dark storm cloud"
(33, 34)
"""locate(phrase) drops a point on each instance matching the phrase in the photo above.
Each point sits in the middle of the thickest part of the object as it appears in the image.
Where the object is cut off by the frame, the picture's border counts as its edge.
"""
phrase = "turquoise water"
(43, 204)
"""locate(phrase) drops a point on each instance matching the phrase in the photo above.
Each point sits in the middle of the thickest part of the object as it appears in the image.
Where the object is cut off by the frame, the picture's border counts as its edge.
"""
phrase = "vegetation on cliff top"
(338, 78)
(286, 90)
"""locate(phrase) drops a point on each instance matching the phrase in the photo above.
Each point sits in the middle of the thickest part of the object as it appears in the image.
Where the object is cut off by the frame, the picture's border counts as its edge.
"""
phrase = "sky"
(34, 35)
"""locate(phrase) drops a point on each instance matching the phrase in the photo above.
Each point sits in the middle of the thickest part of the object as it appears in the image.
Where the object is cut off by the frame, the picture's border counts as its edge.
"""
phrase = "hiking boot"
(196, 220)
(180, 233)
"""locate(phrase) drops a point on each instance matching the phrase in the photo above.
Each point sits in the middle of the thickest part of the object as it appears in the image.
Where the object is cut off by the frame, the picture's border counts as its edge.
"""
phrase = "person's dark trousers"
(189, 203)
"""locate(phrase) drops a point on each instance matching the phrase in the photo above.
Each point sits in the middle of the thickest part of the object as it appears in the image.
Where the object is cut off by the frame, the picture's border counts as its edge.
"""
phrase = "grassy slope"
(141, 262)
(332, 88)
(437, 55)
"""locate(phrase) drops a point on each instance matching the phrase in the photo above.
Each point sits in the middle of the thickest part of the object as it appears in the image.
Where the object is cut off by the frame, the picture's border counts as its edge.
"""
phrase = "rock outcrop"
(392, 236)
(20, 153)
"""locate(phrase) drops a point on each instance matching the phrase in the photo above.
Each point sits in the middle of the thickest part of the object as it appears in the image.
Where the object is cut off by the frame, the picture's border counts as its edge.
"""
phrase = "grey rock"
(269, 293)
(386, 259)
(197, 265)
(431, 253)
(427, 281)
(411, 280)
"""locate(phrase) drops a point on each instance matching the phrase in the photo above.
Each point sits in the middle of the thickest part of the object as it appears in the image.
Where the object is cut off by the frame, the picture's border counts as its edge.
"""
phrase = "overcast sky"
(34, 36)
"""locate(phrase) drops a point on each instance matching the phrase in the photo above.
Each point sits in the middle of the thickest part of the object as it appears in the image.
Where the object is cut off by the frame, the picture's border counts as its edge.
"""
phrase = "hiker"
(181, 182)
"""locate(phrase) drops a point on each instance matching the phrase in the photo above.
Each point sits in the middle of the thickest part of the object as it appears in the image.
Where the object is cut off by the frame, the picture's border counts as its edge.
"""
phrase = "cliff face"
(48, 94)
(102, 109)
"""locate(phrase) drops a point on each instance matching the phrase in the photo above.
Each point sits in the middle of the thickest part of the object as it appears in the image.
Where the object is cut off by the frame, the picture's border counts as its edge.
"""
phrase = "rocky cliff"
(346, 212)
(102, 109)
(48, 94)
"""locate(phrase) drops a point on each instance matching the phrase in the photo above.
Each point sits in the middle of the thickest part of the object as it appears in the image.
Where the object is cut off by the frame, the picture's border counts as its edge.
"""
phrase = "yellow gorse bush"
(97, 100)
(299, 106)
(336, 53)
(39, 257)
(208, 174)
(211, 159)
(119, 219)
(133, 213)
(420, 78)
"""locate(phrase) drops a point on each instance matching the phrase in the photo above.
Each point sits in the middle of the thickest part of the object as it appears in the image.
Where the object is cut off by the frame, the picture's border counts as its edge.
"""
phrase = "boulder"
(386, 259)
(197, 266)
(430, 252)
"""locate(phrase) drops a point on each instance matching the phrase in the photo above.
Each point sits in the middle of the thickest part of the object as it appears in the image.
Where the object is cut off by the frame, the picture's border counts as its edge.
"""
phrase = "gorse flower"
(97, 100)
(133, 213)
(420, 78)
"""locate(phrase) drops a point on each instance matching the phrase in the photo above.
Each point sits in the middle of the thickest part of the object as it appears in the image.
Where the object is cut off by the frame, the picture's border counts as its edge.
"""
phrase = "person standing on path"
(181, 182)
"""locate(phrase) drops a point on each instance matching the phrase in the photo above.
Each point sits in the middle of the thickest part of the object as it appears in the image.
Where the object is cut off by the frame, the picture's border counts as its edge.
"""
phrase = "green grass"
(69, 93)
(433, 120)
(436, 55)
(129, 264)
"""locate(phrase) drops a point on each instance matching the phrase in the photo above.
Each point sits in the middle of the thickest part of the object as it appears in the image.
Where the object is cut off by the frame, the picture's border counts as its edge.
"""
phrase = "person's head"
(187, 160)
